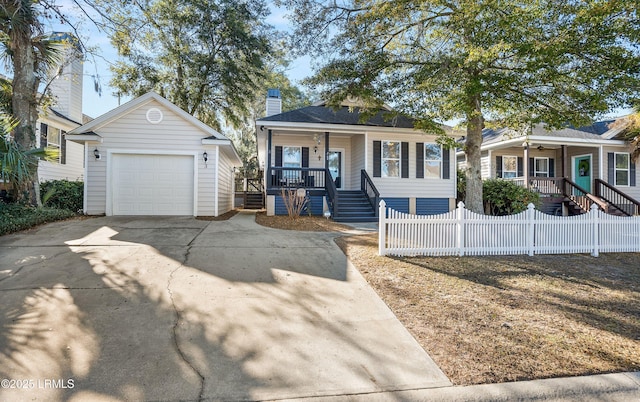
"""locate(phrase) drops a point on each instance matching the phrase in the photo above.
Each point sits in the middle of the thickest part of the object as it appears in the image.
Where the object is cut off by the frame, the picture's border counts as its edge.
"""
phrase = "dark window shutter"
(305, 157)
(278, 156)
(44, 129)
(520, 166)
(377, 154)
(63, 147)
(632, 174)
(552, 168)
(420, 160)
(499, 166)
(532, 167)
(611, 168)
(446, 164)
(404, 160)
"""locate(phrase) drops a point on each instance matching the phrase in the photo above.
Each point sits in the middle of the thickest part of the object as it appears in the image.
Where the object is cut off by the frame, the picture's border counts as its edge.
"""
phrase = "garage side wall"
(225, 185)
(133, 132)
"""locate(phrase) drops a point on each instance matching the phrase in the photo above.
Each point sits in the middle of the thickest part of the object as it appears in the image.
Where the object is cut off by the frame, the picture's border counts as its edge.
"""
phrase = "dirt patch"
(303, 223)
(223, 217)
(499, 319)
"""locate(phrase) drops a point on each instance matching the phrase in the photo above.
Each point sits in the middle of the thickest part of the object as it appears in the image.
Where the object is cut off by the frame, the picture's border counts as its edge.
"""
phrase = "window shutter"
(404, 160)
(632, 173)
(377, 154)
(305, 157)
(63, 147)
(420, 160)
(520, 166)
(552, 168)
(611, 168)
(499, 166)
(446, 164)
(532, 167)
(278, 156)
(43, 135)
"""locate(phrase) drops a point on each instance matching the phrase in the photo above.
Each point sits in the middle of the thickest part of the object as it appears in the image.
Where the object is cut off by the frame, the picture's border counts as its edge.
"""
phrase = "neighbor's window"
(509, 167)
(622, 169)
(432, 160)
(291, 157)
(541, 167)
(54, 139)
(390, 159)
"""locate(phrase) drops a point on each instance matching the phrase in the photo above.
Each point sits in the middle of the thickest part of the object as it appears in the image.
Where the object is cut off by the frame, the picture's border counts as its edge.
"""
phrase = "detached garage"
(149, 157)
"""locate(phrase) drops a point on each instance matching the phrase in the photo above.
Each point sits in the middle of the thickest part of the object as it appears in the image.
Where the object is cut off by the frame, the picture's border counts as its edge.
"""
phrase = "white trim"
(399, 159)
(216, 184)
(333, 128)
(86, 179)
(84, 138)
(342, 164)
(109, 173)
(209, 141)
(441, 161)
(573, 168)
(601, 164)
(535, 169)
(615, 169)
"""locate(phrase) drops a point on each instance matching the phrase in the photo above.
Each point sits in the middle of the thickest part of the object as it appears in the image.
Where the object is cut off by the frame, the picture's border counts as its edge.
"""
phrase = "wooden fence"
(462, 232)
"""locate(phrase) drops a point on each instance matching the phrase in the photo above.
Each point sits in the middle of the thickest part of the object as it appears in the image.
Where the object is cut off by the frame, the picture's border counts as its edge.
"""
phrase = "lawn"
(499, 319)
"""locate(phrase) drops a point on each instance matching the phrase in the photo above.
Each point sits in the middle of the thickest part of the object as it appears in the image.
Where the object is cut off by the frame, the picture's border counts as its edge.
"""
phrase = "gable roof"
(137, 102)
(321, 114)
(491, 136)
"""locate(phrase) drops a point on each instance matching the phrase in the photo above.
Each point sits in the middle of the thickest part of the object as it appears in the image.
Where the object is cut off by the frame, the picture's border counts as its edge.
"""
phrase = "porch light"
(96, 153)
(205, 156)
(315, 149)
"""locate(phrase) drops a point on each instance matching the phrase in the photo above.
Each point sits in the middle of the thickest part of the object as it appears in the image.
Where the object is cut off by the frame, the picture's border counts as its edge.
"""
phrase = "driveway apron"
(181, 309)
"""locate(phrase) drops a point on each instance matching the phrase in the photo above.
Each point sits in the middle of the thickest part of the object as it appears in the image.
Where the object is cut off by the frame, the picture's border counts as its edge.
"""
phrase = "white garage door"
(152, 184)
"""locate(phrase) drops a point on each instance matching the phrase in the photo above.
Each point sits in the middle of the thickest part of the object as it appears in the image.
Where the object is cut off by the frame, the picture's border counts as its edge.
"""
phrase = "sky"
(95, 105)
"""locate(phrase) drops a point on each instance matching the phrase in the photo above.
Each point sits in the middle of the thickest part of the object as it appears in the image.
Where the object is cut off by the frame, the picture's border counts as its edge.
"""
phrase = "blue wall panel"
(399, 204)
(316, 206)
(432, 206)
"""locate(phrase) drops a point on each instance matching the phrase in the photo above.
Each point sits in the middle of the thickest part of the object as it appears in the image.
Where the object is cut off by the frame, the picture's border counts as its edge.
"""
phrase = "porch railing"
(367, 187)
(332, 193)
(617, 199)
(287, 177)
(581, 197)
(243, 184)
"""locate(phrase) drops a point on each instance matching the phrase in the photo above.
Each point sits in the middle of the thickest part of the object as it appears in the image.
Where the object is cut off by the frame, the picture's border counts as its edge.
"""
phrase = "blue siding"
(399, 204)
(431, 206)
(316, 206)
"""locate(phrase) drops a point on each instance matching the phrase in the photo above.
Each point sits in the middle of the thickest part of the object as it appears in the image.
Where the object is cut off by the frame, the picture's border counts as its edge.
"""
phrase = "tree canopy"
(516, 62)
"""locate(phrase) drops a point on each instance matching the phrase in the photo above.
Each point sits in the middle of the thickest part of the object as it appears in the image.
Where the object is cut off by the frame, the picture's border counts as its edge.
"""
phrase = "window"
(509, 167)
(390, 159)
(541, 167)
(292, 158)
(622, 162)
(432, 160)
(54, 141)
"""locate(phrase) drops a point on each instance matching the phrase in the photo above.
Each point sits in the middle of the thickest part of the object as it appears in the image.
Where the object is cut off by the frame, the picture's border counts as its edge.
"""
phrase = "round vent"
(154, 115)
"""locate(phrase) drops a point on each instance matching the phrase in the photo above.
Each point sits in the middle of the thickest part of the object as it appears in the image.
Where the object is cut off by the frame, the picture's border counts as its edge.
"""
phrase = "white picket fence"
(462, 232)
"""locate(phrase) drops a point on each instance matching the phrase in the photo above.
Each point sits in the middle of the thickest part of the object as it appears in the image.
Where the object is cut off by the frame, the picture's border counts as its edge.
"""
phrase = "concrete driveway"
(113, 309)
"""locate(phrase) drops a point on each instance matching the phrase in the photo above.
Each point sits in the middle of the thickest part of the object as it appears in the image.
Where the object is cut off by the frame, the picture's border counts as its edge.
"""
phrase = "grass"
(499, 319)
(16, 217)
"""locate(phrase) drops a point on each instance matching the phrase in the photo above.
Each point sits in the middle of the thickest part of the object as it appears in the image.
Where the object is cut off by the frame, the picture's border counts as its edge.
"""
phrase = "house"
(347, 165)
(62, 116)
(149, 157)
(571, 168)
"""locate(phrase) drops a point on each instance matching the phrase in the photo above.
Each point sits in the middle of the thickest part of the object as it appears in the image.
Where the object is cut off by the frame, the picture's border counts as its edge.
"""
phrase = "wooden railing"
(546, 185)
(367, 187)
(617, 199)
(581, 197)
(332, 193)
(243, 184)
(287, 177)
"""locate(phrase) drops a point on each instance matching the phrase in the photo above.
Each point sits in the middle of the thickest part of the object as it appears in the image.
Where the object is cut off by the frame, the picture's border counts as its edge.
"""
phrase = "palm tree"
(632, 133)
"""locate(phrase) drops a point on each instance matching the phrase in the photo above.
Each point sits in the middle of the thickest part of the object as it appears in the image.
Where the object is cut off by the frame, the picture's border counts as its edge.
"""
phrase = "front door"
(335, 167)
(582, 171)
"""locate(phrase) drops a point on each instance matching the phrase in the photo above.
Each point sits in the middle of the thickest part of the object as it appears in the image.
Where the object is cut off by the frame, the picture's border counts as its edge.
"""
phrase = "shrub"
(295, 200)
(17, 216)
(63, 194)
(503, 197)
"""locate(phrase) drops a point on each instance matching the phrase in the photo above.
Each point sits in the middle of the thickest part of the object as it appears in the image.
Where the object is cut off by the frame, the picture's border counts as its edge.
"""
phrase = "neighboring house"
(347, 165)
(571, 168)
(64, 114)
(149, 157)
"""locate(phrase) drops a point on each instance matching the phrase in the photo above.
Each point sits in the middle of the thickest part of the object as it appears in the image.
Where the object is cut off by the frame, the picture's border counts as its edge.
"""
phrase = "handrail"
(367, 187)
(634, 204)
(584, 201)
(290, 177)
(332, 192)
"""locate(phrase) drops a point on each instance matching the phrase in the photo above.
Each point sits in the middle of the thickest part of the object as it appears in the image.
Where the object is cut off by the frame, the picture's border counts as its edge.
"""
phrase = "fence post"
(460, 228)
(382, 228)
(531, 213)
(595, 229)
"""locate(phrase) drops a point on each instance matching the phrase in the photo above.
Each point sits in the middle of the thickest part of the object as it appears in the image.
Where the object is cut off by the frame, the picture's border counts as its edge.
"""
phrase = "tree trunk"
(473, 197)
(25, 86)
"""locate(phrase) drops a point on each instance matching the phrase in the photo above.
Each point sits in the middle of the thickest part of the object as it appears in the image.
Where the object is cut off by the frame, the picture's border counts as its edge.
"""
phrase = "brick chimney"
(274, 102)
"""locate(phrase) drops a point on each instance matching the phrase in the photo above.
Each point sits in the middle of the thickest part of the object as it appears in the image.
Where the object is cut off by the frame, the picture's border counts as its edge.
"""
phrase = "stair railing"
(617, 199)
(581, 197)
(367, 187)
(332, 192)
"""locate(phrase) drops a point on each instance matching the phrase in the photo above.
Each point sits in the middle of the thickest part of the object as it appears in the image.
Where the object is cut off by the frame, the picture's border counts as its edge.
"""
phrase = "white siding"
(132, 131)
(67, 89)
(632, 191)
(301, 141)
(412, 186)
(342, 143)
(358, 161)
(225, 185)
(73, 169)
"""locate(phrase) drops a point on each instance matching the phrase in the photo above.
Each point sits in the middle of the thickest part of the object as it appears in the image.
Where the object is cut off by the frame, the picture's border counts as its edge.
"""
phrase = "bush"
(503, 197)
(16, 217)
(63, 194)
